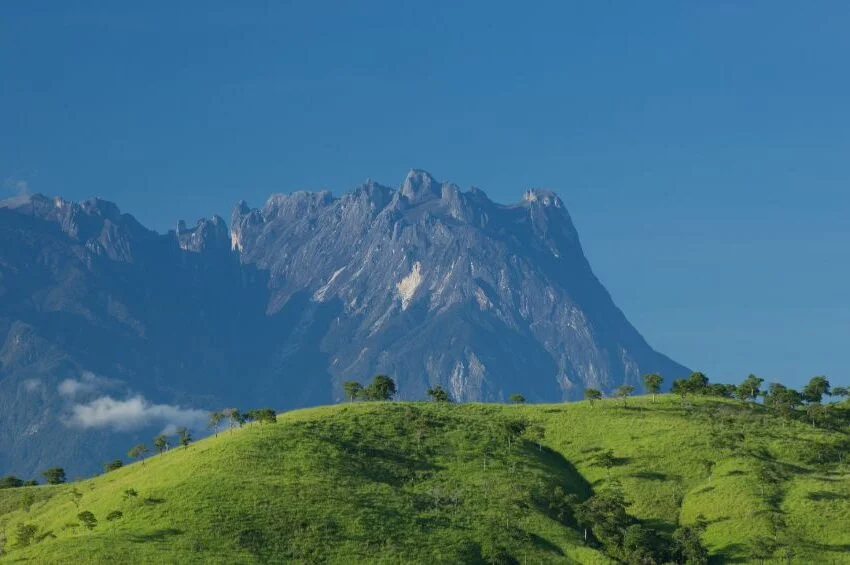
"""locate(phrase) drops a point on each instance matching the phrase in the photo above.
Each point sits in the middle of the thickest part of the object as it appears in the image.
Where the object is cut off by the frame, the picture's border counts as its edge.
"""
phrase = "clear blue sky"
(703, 149)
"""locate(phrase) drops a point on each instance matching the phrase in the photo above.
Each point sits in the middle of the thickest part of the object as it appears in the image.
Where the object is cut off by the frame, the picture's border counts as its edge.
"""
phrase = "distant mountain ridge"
(426, 282)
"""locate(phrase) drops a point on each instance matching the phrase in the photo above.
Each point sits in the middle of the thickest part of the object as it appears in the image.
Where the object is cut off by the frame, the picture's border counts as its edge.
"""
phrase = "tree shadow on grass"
(731, 553)
(156, 535)
(826, 495)
(651, 476)
(545, 545)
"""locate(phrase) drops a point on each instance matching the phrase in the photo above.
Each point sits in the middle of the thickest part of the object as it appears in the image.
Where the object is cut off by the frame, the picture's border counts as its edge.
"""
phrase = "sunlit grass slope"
(436, 483)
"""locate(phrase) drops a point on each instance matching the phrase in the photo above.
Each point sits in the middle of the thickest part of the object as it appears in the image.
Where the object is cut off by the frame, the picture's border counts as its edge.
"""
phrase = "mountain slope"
(107, 327)
(421, 483)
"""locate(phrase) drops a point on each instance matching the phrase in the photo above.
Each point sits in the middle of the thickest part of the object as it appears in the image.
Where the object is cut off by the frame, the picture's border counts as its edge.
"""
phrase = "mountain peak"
(419, 185)
(542, 196)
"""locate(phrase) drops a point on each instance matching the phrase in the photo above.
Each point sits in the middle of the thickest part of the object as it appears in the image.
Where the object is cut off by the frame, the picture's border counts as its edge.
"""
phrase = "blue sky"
(703, 149)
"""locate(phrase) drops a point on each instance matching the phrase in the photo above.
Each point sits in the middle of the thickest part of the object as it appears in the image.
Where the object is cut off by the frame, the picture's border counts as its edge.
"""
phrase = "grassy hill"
(439, 483)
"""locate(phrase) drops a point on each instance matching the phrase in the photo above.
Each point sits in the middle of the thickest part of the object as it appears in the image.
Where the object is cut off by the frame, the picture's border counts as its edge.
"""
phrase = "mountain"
(110, 332)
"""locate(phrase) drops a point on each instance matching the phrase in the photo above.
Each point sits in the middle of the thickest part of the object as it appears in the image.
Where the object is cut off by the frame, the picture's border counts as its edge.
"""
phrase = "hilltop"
(447, 483)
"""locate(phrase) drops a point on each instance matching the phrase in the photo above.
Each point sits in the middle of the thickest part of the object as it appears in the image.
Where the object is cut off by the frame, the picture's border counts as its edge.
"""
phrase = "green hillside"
(445, 483)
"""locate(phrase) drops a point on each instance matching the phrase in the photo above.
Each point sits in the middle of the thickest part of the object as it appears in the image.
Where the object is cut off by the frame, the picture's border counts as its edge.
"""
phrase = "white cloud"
(130, 414)
(20, 187)
(32, 385)
(88, 383)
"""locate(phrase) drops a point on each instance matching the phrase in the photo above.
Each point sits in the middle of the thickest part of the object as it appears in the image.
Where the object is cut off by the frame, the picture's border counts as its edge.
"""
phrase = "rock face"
(427, 283)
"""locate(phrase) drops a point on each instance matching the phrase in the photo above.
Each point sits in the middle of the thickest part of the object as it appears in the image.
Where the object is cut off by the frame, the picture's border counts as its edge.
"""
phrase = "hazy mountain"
(110, 332)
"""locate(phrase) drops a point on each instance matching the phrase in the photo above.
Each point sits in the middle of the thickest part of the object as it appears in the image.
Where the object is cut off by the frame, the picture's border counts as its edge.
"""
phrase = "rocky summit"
(110, 330)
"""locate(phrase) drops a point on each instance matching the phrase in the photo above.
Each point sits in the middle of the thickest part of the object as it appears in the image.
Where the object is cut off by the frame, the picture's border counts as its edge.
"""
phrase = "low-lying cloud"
(131, 414)
(88, 383)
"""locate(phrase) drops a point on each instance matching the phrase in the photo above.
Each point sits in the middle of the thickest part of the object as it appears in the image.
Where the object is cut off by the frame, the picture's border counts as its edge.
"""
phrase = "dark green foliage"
(185, 436)
(687, 545)
(113, 465)
(606, 460)
(87, 519)
(381, 388)
(623, 392)
(750, 388)
(438, 394)
(592, 395)
(262, 415)
(138, 452)
(816, 389)
(761, 548)
(721, 390)
(652, 383)
(783, 400)
(352, 389)
(54, 475)
(130, 493)
(517, 398)
(27, 500)
(114, 515)
(11, 481)
(215, 420)
(605, 515)
(641, 545)
(25, 534)
(160, 442)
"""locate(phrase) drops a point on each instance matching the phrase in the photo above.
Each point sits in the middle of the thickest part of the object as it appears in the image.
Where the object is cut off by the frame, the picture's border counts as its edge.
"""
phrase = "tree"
(234, 416)
(352, 389)
(112, 465)
(514, 429)
(816, 412)
(438, 394)
(54, 475)
(623, 392)
(592, 395)
(87, 519)
(11, 481)
(185, 436)
(697, 383)
(652, 382)
(381, 388)
(517, 398)
(76, 496)
(817, 388)
(114, 515)
(640, 545)
(605, 459)
(841, 392)
(138, 452)
(605, 515)
(160, 442)
(25, 534)
(680, 387)
(215, 420)
(130, 493)
(761, 548)
(708, 466)
(687, 546)
(750, 388)
(264, 415)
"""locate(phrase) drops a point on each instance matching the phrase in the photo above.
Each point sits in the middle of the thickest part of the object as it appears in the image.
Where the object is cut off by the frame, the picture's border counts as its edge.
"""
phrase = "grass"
(435, 483)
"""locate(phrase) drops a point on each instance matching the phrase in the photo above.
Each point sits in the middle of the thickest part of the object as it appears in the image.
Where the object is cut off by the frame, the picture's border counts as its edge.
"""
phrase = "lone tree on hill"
(138, 452)
(381, 388)
(817, 388)
(88, 520)
(216, 418)
(54, 475)
(750, 388)
(234, 416)
(623, 392)
(185, 436)
(517, 398)
(708, 465)
(113, 465)
(605, 459)
(592, 395)
(160, 442)
(352, 389)
(438, 394)
(652, 383)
